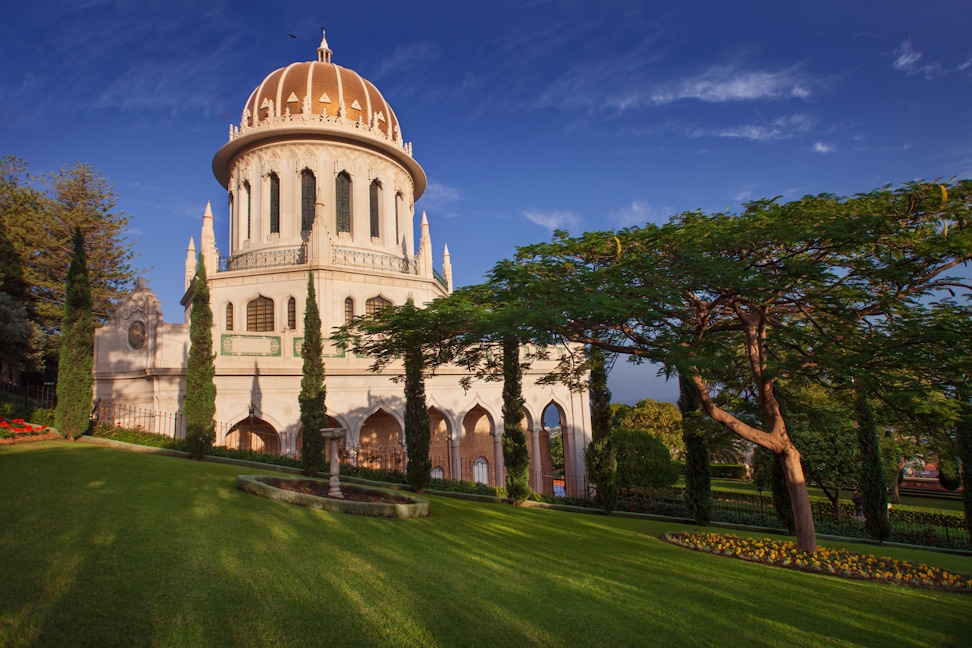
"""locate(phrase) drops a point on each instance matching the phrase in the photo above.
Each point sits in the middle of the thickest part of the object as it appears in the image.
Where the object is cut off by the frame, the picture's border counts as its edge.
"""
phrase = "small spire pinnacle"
(324, 52)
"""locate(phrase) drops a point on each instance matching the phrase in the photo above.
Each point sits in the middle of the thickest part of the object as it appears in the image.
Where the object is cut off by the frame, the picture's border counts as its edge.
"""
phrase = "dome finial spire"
(324, 52)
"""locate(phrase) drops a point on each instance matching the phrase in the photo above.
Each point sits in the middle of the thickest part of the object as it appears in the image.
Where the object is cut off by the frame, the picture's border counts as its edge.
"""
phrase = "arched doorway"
(331, 422)
(255, 435)
(439, 445)
(477, 444)
(555, 449)
(380, 443)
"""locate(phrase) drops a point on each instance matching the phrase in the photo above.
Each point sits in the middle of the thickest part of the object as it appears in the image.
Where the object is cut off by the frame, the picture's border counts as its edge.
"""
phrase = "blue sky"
(526, 116)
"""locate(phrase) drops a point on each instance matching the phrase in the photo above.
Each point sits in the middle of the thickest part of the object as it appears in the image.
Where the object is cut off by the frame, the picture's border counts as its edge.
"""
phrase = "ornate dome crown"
(320, 88)
(318, 99)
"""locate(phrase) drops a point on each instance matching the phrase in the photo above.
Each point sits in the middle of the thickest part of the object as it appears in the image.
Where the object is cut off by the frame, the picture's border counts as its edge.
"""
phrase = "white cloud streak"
(639, 214)
(781, 128)
(553, 220)
(438, 196)
(907, 60)
(823, 147)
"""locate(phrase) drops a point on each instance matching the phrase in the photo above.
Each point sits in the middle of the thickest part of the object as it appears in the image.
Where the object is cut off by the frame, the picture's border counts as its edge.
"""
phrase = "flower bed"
(837, 562)
(17, 431)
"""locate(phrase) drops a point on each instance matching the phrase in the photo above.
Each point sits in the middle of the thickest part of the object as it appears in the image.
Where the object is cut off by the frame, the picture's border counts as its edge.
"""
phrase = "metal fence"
(263, 259)
(144, 419)
(373, 260)
(40, 396)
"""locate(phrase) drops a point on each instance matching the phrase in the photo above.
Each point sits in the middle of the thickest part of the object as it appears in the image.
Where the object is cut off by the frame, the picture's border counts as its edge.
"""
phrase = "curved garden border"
(412, 507)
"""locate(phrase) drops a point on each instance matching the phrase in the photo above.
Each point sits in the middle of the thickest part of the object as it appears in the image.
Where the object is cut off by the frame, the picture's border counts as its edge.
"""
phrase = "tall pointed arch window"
(342, 202)
(348, 310)
(259, 314)
(374, 194)
(398, 200)
(308, 194)
(292, 314)
(274, 204)
(376, 305)
(229, 317)
(246, 205)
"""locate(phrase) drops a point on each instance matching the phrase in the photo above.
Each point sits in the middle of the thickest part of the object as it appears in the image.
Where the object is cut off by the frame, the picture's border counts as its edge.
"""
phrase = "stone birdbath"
(333, 437)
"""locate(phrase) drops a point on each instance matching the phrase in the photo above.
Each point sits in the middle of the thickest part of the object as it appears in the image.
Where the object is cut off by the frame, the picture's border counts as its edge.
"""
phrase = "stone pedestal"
(333, 437)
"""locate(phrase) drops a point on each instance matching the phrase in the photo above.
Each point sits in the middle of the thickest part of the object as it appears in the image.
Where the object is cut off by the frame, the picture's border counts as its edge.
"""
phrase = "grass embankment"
(104, 547)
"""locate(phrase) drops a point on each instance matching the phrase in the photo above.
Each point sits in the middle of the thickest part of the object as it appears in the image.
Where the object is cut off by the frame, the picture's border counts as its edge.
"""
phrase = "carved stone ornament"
(136, 334)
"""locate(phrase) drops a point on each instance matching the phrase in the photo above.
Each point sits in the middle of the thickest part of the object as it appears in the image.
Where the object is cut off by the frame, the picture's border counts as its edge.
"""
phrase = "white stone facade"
(258, 290)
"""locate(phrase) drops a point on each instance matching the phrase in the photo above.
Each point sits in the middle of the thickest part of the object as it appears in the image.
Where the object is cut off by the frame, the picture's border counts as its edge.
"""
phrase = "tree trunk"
(796, 484)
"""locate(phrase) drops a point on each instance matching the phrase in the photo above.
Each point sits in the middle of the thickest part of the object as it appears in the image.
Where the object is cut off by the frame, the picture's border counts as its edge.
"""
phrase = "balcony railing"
(263, 259)
(373, 261)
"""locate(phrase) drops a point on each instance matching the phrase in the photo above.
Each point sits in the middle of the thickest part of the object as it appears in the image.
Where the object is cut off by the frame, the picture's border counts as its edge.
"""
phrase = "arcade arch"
(256, 435)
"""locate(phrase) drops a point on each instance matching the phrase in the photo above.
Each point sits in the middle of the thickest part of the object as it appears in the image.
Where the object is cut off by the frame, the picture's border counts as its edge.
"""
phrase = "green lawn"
(103, 547)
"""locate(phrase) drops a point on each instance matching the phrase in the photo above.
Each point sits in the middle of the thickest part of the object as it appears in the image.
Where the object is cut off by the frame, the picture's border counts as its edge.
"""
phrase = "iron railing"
(373, 261)
(438, 277)
(42, 396)
(263, 259)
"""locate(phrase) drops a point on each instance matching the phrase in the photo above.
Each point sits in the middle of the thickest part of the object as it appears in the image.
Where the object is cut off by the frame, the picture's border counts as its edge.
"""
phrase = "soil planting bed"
(358, 500)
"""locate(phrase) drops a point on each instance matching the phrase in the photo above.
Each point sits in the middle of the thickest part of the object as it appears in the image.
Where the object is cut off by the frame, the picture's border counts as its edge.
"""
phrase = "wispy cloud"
(781, 128)
(907, 59)
(640, 213)
(823, 147)
(729, 83)
(962, 67)
(438, 196)
(408, 57)
(553, 220)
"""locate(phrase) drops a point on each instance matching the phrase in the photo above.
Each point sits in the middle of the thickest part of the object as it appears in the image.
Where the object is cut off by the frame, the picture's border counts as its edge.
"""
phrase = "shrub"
(643, 461)
(728, 471)
(949, 475)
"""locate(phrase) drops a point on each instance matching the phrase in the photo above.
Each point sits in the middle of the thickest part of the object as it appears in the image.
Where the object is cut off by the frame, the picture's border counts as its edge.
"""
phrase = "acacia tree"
(74, 379)
(659, 419)
(200, 403)
(313, 412)
(422, 339)
(778, 290)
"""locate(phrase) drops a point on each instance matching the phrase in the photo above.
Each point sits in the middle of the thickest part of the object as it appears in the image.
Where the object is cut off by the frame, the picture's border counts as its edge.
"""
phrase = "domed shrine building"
(320, 180)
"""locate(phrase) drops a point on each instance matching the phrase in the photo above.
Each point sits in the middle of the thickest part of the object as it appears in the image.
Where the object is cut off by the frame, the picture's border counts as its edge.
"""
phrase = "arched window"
(292, 314)
(481, 471)
(376, 305)
(246, 187)
(375, 202)
(348, 310)
(308, 194)
(398, 200)
(438, 473)
(229, 317)
(274, 204)
(259, 314)
(342, 202)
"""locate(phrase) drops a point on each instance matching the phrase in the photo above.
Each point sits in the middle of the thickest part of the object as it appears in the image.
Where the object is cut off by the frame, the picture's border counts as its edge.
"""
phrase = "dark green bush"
(949, 474)
(138, 437)
(728, 471)
(643, 460)
(454, 486)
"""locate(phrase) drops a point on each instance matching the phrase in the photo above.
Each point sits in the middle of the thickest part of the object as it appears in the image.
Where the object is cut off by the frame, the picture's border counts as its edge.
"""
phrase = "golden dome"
(320, 88)
(320, 100)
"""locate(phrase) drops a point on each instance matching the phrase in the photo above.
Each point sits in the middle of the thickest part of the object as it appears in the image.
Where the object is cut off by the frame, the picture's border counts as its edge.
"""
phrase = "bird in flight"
(294, 37)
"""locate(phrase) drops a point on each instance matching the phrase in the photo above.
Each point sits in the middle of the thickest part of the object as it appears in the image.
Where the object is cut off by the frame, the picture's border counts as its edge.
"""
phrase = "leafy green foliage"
(643, 461)
(200, 403)
(313, 412)
(949, 473)
(768, 473)
(418, 433)
(659, 419)
(74, 378)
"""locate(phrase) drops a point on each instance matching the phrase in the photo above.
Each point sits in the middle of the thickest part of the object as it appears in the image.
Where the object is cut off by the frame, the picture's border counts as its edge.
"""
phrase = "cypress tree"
(313, 413)
(600, 457)
(74, 375)
(872, 486)
(418, 431)
(200, 403)
(515, 454)
(698, 476)
(963, 434)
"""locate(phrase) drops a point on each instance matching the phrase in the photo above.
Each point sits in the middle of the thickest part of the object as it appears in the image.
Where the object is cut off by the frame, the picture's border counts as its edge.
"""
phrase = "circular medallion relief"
(136, 335)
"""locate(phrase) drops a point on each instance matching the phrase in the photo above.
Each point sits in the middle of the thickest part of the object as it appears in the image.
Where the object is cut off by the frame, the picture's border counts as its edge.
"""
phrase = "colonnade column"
(456, 459)
(498, 458)
(536, 464)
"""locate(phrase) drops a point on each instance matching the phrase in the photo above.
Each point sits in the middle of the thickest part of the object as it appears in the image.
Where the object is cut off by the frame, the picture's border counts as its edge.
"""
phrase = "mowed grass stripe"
(104, 547)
